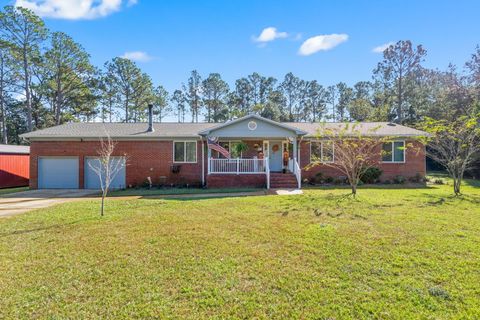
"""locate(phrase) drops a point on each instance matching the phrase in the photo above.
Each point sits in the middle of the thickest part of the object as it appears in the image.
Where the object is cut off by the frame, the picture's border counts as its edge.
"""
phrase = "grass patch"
(390, 254)
(12, 190)
(175, 191)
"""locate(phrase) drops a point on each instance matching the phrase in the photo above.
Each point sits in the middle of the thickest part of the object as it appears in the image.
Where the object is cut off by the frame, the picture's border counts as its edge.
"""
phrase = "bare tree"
(107, 166)
(454, 144)
(350, 151)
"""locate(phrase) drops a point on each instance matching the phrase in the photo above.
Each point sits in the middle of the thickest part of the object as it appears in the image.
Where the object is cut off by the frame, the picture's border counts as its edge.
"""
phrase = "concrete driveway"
(20, 202)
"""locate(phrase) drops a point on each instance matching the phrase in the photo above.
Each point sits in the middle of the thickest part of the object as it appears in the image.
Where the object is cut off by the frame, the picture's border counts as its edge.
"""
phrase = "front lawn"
(394, 254)
(175, 191)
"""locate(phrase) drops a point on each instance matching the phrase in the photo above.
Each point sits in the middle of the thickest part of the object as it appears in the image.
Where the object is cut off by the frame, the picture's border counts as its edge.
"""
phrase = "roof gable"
(253, 126)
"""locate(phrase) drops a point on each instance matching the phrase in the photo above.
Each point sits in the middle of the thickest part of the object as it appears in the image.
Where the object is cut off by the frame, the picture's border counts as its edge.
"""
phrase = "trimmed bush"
(372, 175)
(399, 180)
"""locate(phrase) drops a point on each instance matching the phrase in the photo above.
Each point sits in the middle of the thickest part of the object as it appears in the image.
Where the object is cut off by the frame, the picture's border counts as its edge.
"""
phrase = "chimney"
(150, 118)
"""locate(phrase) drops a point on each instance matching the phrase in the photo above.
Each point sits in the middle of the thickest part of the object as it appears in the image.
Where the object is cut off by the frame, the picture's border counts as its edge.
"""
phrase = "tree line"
(46, 78)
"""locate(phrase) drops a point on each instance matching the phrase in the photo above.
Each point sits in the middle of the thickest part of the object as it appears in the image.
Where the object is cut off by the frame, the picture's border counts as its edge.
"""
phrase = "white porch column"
(203, 162)
(209, 155)
(295, 154)
(299, 152)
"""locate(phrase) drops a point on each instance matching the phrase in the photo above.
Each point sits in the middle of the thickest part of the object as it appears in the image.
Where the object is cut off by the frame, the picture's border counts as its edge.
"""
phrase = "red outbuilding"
(14, 166)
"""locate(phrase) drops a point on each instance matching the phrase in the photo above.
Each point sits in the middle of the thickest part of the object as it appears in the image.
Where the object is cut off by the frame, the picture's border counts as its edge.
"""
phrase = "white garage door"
(92, 181)
(58, 173)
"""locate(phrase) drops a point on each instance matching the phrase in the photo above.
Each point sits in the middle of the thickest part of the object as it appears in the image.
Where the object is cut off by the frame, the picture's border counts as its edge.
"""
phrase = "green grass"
(392, 254)
(175, 191)
(12, 190)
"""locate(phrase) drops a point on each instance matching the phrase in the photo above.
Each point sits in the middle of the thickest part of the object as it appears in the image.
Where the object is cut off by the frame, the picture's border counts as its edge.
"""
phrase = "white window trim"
(185, 151)
(393, 153)
(321, 151)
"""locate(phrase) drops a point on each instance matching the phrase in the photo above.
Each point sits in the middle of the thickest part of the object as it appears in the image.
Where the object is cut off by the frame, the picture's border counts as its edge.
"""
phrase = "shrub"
(438, 181)
(329, 179)
(371, 175)
(417, 178)
(318, 178)
(399, 179)
(387, 182)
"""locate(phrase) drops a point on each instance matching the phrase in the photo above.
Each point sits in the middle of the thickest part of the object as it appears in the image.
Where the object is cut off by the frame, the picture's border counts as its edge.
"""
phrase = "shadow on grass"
(372, 186)
(435, 200)
(53, 226)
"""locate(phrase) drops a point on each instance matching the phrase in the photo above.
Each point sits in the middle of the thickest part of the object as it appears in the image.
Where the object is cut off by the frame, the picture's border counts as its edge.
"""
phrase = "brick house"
(177, 153)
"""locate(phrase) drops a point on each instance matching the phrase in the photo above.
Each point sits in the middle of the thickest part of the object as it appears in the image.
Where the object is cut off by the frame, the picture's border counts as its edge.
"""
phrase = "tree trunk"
(354, 189)
(400, 98)
(2, 120)
(103, 203)
(456, 186)
(27, 90)
(58, 102)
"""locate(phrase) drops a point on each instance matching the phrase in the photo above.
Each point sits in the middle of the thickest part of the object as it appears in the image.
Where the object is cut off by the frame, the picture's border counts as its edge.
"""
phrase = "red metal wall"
(14, 170)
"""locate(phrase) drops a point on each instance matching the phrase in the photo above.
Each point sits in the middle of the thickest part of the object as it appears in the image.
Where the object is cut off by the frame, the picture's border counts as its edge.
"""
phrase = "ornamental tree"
(454, 144)
(353, 151)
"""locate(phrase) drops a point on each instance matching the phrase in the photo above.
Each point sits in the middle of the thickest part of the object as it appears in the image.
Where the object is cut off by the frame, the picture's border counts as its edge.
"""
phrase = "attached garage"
(58, 173)
(92, 181)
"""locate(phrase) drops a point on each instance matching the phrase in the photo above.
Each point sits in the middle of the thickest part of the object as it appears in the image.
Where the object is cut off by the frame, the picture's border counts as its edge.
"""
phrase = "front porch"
(260, 162)
(260, 149)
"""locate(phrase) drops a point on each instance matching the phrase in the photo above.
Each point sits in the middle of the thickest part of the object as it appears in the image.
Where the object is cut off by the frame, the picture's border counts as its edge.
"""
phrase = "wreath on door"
(275, 148)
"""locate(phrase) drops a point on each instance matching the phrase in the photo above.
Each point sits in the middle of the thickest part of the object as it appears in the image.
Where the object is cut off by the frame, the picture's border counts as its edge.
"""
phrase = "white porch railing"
(237, 166)
(298, 173)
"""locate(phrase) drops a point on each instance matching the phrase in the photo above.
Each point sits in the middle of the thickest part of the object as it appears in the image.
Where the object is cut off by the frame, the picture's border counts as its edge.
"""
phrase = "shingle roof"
(172, 130)
(8, 148)
(367, 128)
(120, 130)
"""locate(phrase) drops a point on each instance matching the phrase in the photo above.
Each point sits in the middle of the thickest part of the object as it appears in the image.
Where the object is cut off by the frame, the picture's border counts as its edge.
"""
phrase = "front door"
(275, 155)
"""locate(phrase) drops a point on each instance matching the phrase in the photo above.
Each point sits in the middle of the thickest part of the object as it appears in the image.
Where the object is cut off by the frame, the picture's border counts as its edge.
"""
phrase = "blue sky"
(219, 36)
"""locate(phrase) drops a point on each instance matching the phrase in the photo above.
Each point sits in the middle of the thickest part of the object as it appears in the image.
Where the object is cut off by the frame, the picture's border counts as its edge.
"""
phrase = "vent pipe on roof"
(150, 118)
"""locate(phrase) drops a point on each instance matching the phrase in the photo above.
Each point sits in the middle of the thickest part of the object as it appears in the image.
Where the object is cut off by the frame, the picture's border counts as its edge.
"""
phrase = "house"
(177, 153)
(14, 165)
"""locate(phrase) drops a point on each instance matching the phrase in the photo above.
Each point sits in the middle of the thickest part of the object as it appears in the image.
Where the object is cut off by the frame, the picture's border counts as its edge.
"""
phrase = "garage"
(92, 180)
(58, 173)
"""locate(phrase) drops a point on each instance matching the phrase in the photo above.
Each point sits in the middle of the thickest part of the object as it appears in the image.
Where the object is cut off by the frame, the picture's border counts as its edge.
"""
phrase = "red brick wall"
(414, 163)
(145, 159)
(233, 180)
(154, 159)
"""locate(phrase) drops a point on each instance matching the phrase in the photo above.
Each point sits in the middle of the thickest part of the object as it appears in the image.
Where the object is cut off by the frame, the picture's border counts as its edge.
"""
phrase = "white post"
(238, 166)
(203, 163)
(267, 171)
(294, 155)
(209, 156)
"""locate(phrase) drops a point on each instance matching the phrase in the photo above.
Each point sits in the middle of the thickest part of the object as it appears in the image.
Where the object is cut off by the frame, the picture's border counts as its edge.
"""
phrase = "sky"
(330, 41)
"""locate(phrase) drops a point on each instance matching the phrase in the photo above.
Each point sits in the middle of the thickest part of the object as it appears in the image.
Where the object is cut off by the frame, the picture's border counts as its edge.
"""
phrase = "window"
(321, 151)
(185, 151)
(393, 151)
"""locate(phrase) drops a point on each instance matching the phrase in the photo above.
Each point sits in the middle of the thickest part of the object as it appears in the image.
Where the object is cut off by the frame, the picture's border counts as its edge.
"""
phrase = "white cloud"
(131, 3)
(139, 56)
(270, 34)
(321, 43)
(382, 48)
(73, 9)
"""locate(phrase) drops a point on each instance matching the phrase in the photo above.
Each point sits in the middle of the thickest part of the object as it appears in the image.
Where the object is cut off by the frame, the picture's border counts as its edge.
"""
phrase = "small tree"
(107, 167)
(453, 144)
(354, 151)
